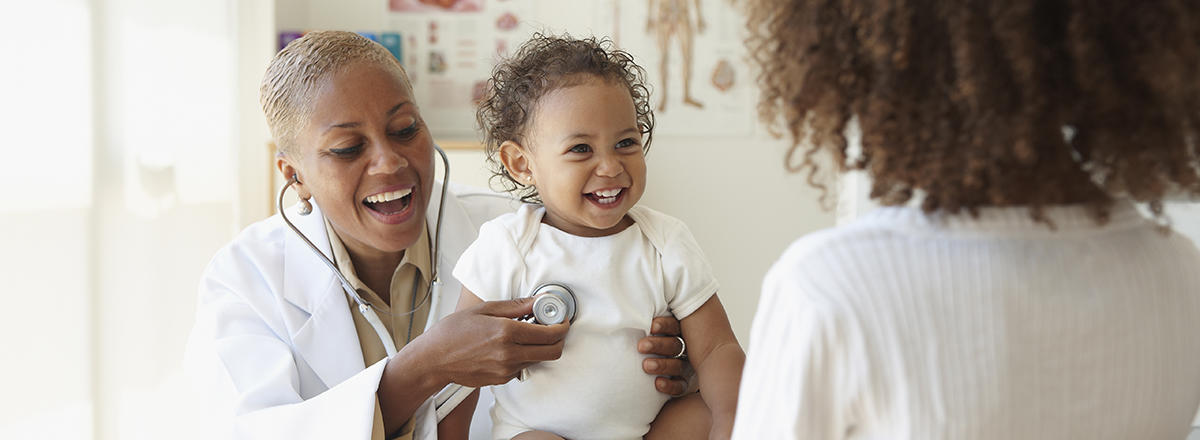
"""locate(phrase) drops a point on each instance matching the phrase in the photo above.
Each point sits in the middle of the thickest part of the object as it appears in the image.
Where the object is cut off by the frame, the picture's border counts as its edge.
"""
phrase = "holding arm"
(253, 379)
(475, 346)
(457, 424)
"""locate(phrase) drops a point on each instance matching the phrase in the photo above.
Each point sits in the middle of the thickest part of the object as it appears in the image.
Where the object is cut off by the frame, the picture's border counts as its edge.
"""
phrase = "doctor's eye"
(406, 133)
(347, 152)
(580, 148)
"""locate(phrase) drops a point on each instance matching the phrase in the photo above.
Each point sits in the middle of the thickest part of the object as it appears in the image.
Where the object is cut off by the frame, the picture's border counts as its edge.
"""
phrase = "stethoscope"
(364, 307)
(553, 302)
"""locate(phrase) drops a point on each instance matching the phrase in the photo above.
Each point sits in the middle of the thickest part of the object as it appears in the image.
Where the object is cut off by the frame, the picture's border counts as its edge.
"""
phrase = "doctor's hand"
(664, 341)
(484, 345)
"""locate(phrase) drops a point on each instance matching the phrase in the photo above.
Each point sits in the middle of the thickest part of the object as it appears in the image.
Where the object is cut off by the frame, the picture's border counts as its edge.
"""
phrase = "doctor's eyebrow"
(397, 107)
(390, 112)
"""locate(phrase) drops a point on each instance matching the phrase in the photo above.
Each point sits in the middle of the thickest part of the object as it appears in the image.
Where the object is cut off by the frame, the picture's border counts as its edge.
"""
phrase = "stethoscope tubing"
(365, 307)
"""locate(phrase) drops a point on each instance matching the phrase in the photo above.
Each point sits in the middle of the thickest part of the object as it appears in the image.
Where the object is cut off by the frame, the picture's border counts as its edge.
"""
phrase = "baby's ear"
(515, 159)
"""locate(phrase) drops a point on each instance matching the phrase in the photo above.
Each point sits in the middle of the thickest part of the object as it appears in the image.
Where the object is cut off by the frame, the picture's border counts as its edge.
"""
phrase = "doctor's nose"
(385, 160)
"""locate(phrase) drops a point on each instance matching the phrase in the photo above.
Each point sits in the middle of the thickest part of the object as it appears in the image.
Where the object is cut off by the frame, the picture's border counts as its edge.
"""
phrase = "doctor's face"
(366, 157)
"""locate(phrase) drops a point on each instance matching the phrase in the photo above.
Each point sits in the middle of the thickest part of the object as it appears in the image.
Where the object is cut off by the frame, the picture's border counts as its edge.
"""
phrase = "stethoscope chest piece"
(553, 303)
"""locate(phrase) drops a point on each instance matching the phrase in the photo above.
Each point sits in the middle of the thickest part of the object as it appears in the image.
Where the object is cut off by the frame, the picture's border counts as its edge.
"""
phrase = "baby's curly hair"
(544, 64)
(977, 103)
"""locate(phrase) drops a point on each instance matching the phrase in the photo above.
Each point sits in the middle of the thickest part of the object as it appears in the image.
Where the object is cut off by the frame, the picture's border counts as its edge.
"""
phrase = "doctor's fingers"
(532, 354)
(664, 367)
(665, 326)
(666, 346)
(512, 308)
(526, 333)
(671, 386)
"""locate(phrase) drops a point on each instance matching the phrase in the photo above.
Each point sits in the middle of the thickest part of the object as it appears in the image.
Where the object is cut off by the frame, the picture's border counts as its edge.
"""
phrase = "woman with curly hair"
(1020, 294)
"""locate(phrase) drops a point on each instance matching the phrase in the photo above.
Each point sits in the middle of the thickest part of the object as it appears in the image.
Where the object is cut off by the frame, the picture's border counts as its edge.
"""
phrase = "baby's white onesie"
(597, 389)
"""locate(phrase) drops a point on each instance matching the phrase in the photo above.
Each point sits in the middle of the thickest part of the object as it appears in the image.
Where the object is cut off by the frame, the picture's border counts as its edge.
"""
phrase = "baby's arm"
(457, 424)
(715, 354)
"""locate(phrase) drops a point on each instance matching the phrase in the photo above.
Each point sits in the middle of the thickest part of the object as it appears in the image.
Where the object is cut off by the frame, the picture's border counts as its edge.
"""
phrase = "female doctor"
(280, 350)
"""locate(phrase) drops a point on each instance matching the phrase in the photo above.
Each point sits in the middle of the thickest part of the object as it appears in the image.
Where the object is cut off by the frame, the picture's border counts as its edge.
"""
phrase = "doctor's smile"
(392, 206)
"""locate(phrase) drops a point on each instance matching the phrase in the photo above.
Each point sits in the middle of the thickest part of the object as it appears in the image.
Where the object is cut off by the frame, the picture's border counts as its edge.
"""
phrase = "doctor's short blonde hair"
(292, 77)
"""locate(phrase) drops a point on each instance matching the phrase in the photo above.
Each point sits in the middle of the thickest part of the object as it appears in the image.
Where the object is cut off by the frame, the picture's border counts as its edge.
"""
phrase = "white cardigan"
(908, 326)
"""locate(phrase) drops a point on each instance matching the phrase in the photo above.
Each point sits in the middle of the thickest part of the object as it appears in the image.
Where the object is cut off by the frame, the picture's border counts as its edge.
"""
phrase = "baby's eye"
(627, 142)
(581, 148)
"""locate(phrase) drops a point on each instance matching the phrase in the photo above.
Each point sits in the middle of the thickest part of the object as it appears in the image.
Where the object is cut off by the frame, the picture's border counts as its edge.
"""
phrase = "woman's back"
(906, 325)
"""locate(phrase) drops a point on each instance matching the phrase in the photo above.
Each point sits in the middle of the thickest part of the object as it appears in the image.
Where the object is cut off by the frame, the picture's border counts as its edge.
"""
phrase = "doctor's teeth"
(388, 196)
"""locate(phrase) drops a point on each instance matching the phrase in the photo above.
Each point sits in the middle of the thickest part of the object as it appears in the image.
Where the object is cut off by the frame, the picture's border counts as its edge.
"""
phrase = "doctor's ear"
(515, 159)
(290, 172)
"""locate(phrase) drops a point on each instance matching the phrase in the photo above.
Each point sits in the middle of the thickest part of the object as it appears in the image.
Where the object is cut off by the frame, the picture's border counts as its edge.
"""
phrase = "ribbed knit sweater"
(904, 325)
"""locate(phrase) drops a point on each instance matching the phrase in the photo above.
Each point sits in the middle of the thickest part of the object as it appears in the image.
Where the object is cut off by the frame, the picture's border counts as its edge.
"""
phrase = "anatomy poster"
(691, 49)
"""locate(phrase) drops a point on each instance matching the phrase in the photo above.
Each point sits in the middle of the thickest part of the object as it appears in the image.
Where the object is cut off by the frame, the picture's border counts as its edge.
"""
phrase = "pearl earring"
(305, 206)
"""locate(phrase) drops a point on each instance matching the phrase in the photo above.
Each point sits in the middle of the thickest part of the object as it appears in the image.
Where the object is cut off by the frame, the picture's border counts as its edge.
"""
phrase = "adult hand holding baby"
(664, 341)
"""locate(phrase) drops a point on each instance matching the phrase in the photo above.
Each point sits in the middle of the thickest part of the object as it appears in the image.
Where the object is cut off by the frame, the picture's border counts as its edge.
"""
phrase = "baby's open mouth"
(389, 203)
(605, 196)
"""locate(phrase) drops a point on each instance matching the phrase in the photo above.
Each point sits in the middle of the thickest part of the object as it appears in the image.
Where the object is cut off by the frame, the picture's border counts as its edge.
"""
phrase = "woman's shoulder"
(255, 248)
(821, 244)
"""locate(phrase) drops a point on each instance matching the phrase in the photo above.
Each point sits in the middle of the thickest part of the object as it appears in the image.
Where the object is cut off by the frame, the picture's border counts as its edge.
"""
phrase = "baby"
(568, 123)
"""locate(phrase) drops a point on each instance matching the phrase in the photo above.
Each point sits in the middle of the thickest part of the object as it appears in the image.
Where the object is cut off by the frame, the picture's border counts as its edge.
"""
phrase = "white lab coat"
(274, 350)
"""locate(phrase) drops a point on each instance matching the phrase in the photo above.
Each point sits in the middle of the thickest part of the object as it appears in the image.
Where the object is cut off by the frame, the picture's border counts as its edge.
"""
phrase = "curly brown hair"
(988, 103)
(543, 64)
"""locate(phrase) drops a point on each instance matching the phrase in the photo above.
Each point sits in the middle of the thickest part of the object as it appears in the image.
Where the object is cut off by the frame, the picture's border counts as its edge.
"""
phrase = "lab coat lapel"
(455, 223)
(325, 338)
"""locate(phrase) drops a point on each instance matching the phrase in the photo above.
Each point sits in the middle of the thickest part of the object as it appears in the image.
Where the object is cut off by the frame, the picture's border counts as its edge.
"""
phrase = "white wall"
(119, 185)
(45, 201)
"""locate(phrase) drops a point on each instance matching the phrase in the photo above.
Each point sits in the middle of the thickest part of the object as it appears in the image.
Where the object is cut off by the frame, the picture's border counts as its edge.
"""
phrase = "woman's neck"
(377, 272)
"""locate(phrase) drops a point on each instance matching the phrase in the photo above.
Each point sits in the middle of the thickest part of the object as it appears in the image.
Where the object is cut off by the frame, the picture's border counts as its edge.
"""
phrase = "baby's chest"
(620, 288)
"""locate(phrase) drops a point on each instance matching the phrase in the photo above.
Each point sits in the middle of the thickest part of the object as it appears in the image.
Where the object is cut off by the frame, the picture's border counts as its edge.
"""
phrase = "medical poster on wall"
(691, 50)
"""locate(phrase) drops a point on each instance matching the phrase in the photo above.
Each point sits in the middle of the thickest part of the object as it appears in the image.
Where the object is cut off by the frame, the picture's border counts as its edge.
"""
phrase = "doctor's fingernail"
(652, 364)
(656, 327)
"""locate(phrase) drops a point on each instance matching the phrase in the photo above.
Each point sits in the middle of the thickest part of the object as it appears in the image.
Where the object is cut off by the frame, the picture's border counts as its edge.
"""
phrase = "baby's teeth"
(608, 193)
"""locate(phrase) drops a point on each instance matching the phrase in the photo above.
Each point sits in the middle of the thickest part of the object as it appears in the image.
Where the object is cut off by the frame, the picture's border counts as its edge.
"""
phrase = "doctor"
(279, 349)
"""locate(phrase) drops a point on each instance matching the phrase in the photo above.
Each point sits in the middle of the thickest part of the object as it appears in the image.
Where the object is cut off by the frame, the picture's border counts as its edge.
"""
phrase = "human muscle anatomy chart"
(671, 21)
